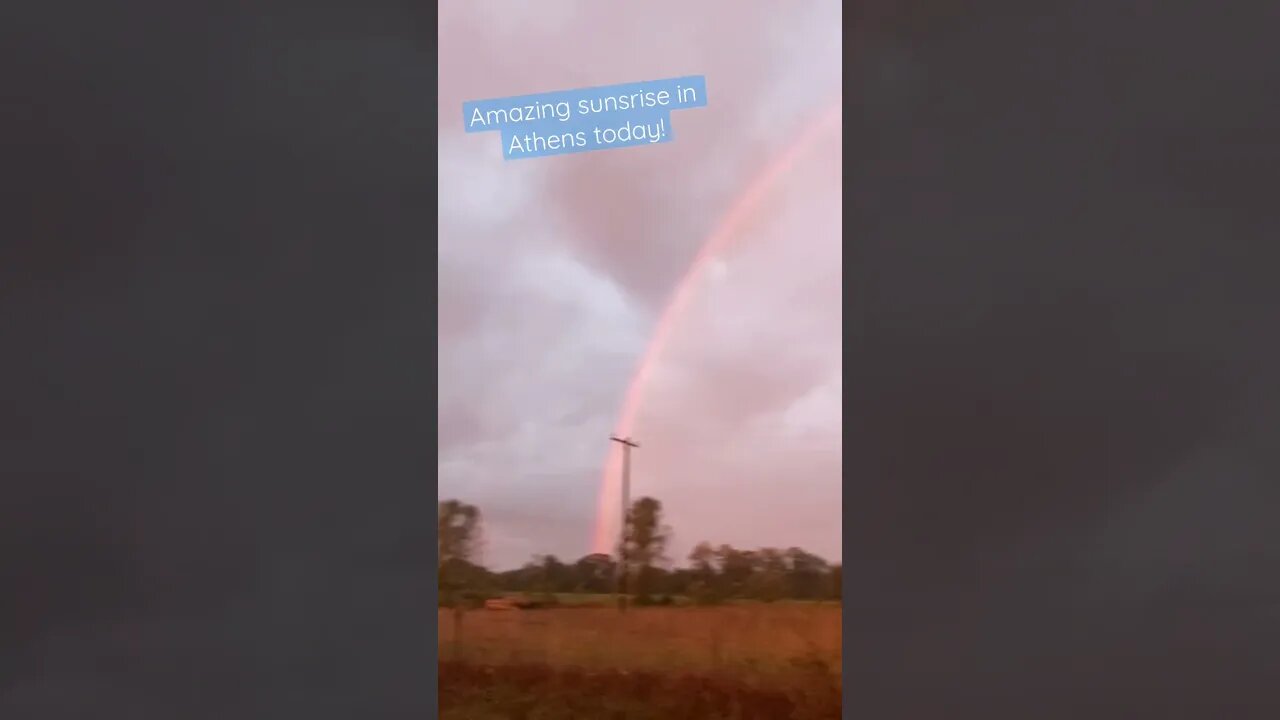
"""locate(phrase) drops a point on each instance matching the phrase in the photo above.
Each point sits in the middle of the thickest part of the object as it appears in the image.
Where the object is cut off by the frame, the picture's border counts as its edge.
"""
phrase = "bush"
(703, 594)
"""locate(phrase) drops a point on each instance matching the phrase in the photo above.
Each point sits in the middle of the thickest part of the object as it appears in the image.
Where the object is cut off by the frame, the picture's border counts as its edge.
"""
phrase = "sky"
(554, 271)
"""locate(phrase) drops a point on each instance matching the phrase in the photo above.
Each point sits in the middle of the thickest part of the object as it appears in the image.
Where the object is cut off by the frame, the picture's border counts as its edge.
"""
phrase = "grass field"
(774, 661)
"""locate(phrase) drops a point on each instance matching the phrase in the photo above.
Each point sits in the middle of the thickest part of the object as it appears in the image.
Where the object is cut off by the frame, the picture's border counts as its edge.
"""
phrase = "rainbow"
(605, 530)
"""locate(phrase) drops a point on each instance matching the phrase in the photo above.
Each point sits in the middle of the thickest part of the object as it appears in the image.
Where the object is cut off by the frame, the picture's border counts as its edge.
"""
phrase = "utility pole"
(620, 579)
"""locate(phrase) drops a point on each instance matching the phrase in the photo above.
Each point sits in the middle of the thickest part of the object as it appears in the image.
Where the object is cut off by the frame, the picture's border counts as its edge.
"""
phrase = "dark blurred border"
(217, 282)
(1060, 460)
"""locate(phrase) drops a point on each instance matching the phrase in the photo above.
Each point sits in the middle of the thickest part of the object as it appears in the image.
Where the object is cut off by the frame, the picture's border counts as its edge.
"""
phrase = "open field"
(607, 600)
(741, 661)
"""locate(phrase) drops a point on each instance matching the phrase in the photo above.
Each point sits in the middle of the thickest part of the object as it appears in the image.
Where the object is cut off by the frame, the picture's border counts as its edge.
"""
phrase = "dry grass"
(745, 662)
(746, 640)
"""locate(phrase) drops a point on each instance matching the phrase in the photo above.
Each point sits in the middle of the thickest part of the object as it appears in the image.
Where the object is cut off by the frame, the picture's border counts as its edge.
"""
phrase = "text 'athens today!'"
(598, 118)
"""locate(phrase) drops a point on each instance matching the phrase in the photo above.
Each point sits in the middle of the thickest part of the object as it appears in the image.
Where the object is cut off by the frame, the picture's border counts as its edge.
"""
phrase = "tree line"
(712, 573)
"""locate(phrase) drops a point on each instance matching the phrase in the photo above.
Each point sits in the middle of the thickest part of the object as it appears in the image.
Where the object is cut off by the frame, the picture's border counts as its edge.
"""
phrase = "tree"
(702, 586)
(553, 576)
(768, 579)
(459, 542)
(735, 568)
(459, 526)
(645, 543)
(522, 579)
(676, 581)
(594, 573)
(713, 573)
(702, 561)
(806, 574)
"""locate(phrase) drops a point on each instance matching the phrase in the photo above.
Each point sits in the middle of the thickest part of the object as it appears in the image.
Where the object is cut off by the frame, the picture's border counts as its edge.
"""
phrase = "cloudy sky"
(554, 271)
